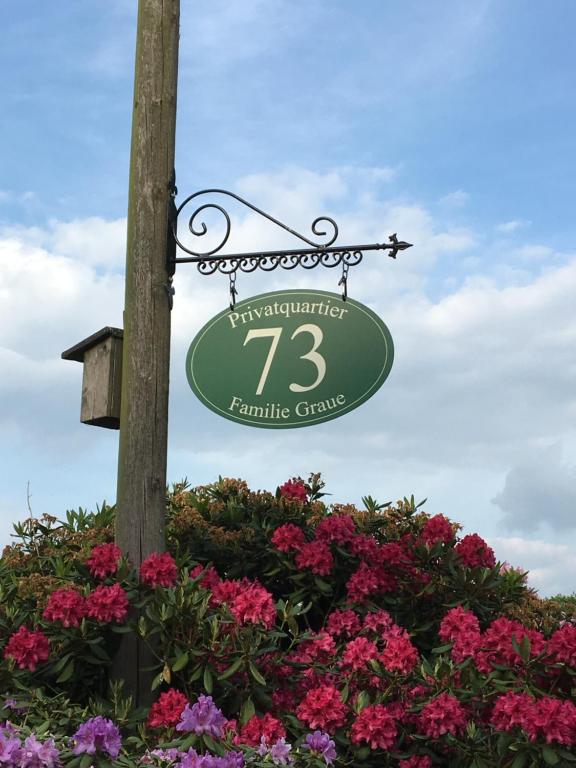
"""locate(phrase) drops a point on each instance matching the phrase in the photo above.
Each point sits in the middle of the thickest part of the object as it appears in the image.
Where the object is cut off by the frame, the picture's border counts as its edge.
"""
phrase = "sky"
(449, 123)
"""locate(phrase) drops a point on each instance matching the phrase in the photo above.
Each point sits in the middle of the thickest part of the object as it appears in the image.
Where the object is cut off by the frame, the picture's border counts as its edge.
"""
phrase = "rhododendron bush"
(283, 632)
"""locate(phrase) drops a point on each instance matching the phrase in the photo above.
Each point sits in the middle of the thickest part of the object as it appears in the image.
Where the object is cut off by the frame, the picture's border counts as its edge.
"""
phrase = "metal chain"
(344, 281)
(233, 291)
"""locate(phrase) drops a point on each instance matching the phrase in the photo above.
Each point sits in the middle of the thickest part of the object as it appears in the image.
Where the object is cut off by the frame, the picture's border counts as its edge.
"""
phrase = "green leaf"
(362, 701)
(61, 663)
(86, 761)
(67, 672)
(231, 669)
(180, 662)
(323, 586)
(549, 755)
(196, 675)
(442, 648)
(256, 674)
(208, 680)
(99, 652)
(247, 711)
(520, 760)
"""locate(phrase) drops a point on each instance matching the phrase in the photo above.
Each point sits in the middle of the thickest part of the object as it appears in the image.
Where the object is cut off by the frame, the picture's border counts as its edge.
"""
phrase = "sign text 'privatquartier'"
(289, 359)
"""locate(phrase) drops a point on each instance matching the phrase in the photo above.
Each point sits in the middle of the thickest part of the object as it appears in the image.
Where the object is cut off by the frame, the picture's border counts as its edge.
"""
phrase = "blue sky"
(449, 122)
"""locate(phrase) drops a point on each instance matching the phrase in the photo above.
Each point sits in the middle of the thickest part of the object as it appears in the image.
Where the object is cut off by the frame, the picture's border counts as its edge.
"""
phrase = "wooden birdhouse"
(101, 354)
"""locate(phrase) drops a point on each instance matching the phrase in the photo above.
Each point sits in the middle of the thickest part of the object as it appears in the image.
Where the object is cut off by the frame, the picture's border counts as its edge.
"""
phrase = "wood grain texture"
(141, 495)
(101, 384)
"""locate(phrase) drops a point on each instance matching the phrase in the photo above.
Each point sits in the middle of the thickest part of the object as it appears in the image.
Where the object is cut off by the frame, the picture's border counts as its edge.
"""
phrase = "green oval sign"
(289, 359)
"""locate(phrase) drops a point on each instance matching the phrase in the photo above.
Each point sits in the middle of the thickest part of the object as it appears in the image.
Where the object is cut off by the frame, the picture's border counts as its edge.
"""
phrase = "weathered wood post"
(141, 495)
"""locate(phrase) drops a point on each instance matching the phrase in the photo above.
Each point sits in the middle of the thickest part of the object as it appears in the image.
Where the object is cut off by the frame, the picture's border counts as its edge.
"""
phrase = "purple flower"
(192, 759)
(203, 717)
(97, 733)
(322, 743)
(280, 752)
(9, 745)
(38, 754)
(168, 755)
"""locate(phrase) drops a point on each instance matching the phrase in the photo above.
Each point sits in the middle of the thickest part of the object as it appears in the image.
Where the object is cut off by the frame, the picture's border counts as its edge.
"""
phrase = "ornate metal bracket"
(211, 261)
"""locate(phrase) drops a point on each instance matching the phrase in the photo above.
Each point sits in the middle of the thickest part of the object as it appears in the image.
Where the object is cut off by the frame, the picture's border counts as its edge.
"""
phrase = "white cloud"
(534, 253)
(507, 227)
(92, 241)
(552, 566)
(457, 199)
(540, 492)
(484, 374)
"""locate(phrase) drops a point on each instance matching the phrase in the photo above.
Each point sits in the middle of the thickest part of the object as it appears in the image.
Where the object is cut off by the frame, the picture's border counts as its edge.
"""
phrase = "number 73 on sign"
(313, 355)
(289, 359)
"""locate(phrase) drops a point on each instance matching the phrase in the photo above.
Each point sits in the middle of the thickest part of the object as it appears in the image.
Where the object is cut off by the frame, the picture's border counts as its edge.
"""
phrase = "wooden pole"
(141, 493)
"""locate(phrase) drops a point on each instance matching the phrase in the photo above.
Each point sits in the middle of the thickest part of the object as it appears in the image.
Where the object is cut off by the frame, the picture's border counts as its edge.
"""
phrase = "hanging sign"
(289, 359)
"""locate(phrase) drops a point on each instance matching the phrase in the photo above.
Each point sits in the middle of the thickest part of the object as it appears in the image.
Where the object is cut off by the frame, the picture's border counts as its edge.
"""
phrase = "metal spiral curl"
(269, 262)
(202, 229)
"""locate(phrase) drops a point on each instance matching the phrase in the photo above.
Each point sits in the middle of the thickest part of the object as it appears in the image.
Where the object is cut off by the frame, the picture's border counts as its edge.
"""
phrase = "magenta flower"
(97, 734)
(203, 717)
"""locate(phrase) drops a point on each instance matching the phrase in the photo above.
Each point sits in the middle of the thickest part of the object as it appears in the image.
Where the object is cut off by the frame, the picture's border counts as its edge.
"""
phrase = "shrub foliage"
(284, 631)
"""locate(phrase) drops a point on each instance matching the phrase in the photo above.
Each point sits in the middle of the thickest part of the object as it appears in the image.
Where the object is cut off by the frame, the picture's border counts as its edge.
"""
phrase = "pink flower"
(267, 726)
(510, 710)
(553, 719)
(376, 726)
(67, 606)
(27, 648)
(254, 605)
(107, 604)
(343, 622)
(496, 644)
(438, 528)
(294, 490)
(556, 721)
(416, 761)
(166, 712)
(209, 578)
(319, 649)
(336, 528)
(103, 560)
(466, 646)
(323, 708)
(227, 590)
(474, 552)
(562, 645)
(315, 555)
(368, 581)
(288, 537)
(442, 715)
(462, 627)
(399, 655)
(456, 621)
(393, 555)
(378, 621)
(366, 548)
(358, 653)
(159, 570)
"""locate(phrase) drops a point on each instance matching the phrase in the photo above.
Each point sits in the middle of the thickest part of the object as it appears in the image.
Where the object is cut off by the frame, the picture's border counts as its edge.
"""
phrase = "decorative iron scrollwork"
(320, 254)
